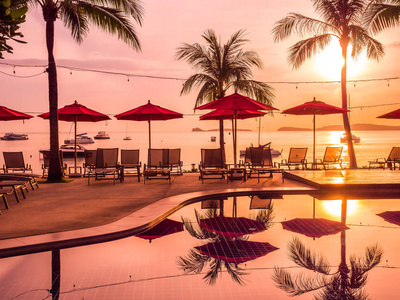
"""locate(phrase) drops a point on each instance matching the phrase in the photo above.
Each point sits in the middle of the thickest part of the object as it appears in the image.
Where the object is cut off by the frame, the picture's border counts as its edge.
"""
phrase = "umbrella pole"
(149, 133)
(235, 140)
(75, 155)
(314, 141)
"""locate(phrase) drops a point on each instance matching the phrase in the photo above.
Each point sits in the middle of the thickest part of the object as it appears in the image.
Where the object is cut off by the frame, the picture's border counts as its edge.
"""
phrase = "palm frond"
(212, 275)
(306, 49)
(236, 272)
(111, 20)
(301, 25)
(360, 40)
(74, 19)
(260, 91)
(303, 257)
(381, 15)
(198, 80)
(297, 284)
(193, 263)
(266, 216)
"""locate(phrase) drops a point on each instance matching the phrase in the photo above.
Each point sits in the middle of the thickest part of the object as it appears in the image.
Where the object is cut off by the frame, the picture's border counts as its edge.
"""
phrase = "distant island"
(355, 127)
(225, 129)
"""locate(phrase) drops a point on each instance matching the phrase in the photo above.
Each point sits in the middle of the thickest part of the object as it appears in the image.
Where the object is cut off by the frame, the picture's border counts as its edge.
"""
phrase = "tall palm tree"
(341, 20)
(113, 16)
(220, 68)
(382, 14)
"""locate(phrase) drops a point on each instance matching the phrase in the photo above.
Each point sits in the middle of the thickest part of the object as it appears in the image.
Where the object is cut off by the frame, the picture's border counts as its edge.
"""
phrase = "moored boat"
(101, 135)
(69, 150)
(81, 138)
(355, 139)
(14, 137)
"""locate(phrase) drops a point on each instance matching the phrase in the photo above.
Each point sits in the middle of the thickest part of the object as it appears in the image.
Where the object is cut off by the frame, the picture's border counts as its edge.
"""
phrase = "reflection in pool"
(133, 268)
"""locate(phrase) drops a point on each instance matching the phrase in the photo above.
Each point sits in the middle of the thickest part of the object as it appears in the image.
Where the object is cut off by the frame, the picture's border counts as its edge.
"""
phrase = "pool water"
(134, 268)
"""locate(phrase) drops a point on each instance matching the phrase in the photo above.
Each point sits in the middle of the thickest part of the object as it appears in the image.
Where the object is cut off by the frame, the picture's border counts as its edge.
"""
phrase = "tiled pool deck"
(57, 216)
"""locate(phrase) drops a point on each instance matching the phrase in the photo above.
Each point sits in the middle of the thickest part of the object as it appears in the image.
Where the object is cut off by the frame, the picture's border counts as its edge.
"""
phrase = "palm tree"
(341, 20)
(220, 68)
(381, 15)
(110, 15)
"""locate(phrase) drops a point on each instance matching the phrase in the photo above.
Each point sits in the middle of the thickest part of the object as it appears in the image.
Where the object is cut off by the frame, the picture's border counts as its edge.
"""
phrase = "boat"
(68, 151)
(355, 139)
(274, 152)
(14, 137)
(81, 138)
(127, 138)
(101, 135)
(213, 139)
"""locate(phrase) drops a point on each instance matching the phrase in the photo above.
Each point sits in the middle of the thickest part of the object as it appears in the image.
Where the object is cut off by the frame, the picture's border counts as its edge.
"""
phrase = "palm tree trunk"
(343, 268)
(346, 123)
(55, 173)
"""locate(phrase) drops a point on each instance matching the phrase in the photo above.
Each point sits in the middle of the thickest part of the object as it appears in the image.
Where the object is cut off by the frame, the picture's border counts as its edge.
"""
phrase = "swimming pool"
(171, 267)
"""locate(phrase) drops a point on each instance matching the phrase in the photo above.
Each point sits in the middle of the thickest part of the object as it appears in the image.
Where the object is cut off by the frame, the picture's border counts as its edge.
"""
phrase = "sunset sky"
(166, 25)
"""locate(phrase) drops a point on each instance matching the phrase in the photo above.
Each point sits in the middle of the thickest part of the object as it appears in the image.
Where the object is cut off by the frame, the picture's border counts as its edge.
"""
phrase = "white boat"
(101, 135)
(273, 151)
(81, 138)
(355, 139)
(127, 138)
(14, 137)
(69, 150)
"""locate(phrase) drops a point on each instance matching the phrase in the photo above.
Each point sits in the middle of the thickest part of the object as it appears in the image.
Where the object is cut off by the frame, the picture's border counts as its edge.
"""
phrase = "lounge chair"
(106, 165)
(22, 177)
(14, 161)
(390, 161)
(331, 158)
(297, 159)
(212, 164)
(174, 161)
(90, 161)
(157, 166)
(258, 160)
(46, 163)
(130, 161)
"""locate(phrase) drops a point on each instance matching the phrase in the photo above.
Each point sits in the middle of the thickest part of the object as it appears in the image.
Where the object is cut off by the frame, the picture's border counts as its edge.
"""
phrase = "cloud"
(394, 45)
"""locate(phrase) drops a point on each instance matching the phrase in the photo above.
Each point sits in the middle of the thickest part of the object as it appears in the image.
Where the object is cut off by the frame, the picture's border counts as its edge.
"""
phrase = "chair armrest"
(284, 161)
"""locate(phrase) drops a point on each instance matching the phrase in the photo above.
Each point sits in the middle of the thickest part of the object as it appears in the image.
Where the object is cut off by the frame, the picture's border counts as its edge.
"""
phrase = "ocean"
(373, 144)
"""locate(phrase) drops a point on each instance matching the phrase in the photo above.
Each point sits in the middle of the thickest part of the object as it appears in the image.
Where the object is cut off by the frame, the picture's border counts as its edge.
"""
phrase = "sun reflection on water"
(334, 207)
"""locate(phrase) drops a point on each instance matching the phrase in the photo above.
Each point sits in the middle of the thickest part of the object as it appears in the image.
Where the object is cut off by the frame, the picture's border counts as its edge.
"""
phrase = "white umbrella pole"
(235, 142)
(75, 154)
(314, 141)
(149, 133)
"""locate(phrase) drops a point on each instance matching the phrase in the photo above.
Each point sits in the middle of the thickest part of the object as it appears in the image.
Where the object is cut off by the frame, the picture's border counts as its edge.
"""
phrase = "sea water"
(374, 144)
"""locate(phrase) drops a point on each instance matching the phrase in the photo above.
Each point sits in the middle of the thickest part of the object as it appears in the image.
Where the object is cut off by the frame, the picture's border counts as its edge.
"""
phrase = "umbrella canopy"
(314, 228)
(314, 108)
(236, 251)
(77, 113)
(391, 217)
(391, 115)
(236, 102)
(7, 114)
(163, 228)
(149, 112)
(222, 114)
(232, 226)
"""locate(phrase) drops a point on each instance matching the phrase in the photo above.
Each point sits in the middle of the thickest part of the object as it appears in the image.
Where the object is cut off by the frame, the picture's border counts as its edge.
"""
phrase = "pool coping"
(132, 224)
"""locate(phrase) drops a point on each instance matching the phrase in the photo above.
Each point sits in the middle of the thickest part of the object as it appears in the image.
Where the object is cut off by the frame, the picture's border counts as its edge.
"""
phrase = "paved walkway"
(75, 205)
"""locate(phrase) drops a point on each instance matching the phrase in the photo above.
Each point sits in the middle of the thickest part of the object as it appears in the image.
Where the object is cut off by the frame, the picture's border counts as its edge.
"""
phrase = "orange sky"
(167, 24)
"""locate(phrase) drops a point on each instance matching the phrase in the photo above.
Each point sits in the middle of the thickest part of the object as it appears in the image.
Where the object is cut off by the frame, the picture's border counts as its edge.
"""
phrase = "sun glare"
(329, 62)
(334, 207)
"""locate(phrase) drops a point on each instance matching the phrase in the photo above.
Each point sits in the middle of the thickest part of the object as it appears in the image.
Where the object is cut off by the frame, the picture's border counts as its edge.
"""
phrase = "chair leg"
(5, 201)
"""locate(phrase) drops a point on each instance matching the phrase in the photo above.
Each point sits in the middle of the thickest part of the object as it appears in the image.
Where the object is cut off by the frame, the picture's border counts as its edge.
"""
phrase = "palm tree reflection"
(196, 261)
(345, 283)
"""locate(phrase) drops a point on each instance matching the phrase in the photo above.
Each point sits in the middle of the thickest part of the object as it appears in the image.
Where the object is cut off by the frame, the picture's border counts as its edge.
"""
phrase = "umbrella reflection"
(347, 282)
(221, 250)
(391, 217)
(163, 228)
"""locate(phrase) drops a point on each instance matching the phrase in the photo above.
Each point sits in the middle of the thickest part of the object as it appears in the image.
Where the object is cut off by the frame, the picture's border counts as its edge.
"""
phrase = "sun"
(329, 62)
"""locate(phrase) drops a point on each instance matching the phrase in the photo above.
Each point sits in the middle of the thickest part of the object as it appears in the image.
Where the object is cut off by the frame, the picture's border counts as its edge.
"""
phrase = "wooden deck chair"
(174, 160)
(259, 161)
(297, 159)
(106, 165)
(212, 165)
(157, 166)
(46, 163)
(14, 161)
(90, 161)
(390, 162)
(23, 177)
(331, 158)
(130, 161)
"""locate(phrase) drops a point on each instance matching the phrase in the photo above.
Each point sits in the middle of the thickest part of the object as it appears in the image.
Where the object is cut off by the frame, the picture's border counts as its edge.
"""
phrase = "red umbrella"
(77, 113)
(314, 108)
(7, 114)
(221, 114)
(149, 112)
(391, 217)
(232, 227)
(163, 228)
(237, 251)
(391, 115)
(314, 227)
(236, 102)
